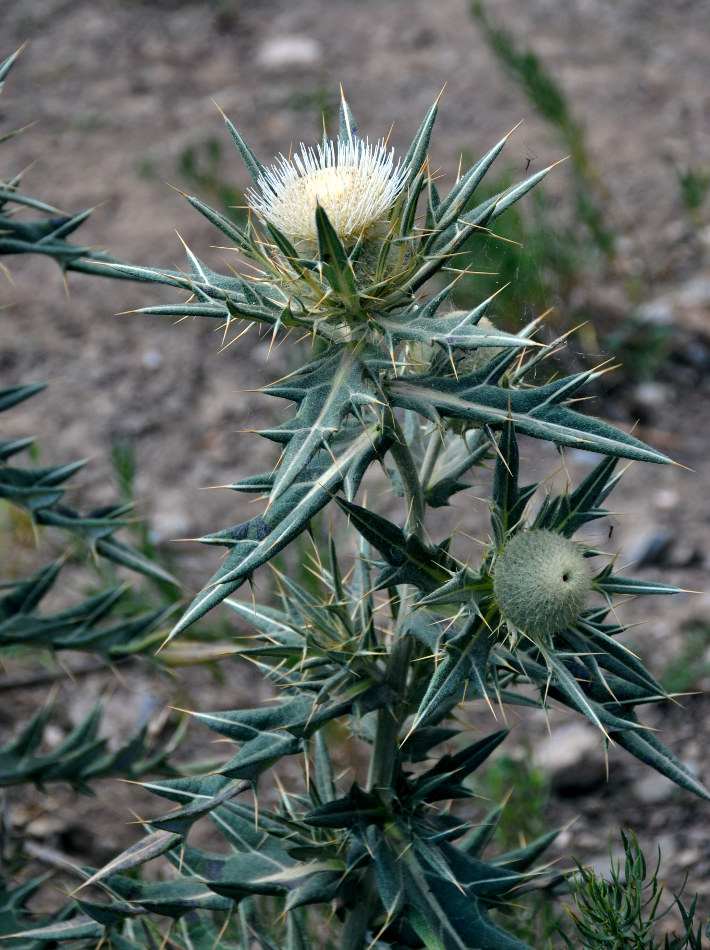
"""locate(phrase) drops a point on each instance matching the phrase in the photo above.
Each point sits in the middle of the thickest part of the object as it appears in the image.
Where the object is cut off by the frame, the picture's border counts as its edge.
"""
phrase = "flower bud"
(541, 582)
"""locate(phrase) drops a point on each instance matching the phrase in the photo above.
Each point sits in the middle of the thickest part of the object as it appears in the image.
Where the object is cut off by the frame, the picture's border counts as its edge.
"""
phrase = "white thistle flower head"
(355, 183)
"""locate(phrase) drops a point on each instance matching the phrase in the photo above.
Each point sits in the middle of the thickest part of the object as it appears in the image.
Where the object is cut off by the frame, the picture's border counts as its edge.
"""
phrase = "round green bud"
(541, 582)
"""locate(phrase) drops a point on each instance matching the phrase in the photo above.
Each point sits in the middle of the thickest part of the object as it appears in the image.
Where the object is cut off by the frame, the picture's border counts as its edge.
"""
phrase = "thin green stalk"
(413, 494)
(433, 450)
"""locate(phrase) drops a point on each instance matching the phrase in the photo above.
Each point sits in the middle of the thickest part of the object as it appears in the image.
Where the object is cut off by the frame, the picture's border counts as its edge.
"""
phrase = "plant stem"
(384, 764)
(402, 458)
(357, 919)
(385, 752)
(436, 444)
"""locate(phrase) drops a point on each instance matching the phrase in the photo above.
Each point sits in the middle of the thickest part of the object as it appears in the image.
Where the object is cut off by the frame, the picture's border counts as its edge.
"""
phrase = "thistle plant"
(398, 634)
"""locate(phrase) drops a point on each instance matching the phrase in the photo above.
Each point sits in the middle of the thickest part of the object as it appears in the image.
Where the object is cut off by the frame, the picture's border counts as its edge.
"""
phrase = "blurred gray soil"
(121, 90)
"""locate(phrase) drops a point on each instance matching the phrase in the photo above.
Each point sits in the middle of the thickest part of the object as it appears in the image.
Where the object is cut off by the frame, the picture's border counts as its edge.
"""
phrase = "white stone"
(652, 788)
(573, 756)
(283, 52)
(152, 358)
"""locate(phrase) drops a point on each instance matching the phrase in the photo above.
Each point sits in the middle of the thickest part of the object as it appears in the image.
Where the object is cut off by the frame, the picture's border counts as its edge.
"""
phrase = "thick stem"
(357, 919)
(385, 761)
(385, 753)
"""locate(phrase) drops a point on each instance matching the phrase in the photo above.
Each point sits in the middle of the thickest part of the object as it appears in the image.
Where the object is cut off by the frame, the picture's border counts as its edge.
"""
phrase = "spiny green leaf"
(459, 331)
(407, 556)
(8, 449)
(275, 625)
(388, 870)
(644, 745)
(169, 898)
(453, 205)
(335, 387)
(156, 843)
(348, 126)
(128, 557)
(418, 744)
(109, 914)
(336, 267)
(189, 789)
(35, 488)
(355, 808)
(614, 585)
(225, 225)
(478, 838)
(12, 395)
(254, 166)
(317, 887)
(453, 769)
(27, 594)
(78, 928)
(523, 858)
(517, 192)
(181, 821)
(591, 642)
(569, 686)
(417, 152)
(242, 725)
(259, 754)
(7, 65)
(446, 917)
(584, 501)
(324, 776)
(534, 412)
(287, 518)
(249, 828)
(237, 876)
(465, 657)
(506, 496)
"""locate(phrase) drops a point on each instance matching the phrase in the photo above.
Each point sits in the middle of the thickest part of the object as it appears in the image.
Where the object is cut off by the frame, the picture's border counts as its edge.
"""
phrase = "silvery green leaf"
(285, 520)
(168, 898)
(535, 412)
(254, 166)
(463, 658)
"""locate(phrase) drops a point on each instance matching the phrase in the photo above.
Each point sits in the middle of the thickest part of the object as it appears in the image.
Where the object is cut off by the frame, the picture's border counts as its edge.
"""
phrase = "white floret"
(356, 183)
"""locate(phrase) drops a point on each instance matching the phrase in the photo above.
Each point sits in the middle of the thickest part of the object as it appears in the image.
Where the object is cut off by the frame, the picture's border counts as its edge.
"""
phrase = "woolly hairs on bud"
(541, 582)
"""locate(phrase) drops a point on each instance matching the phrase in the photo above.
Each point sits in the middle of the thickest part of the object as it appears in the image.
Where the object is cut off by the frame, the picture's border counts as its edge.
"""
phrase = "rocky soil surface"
(123, 96)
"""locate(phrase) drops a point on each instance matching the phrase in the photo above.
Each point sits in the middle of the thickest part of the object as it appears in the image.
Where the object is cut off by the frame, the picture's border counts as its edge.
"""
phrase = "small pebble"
(152, 358)
(666, 498)
(284, 52)
(574, 758)
(652, 788)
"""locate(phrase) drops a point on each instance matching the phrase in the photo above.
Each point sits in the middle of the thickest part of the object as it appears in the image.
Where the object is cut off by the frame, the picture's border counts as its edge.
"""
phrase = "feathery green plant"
(548, 99)
(622, 911)
(399, 632)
